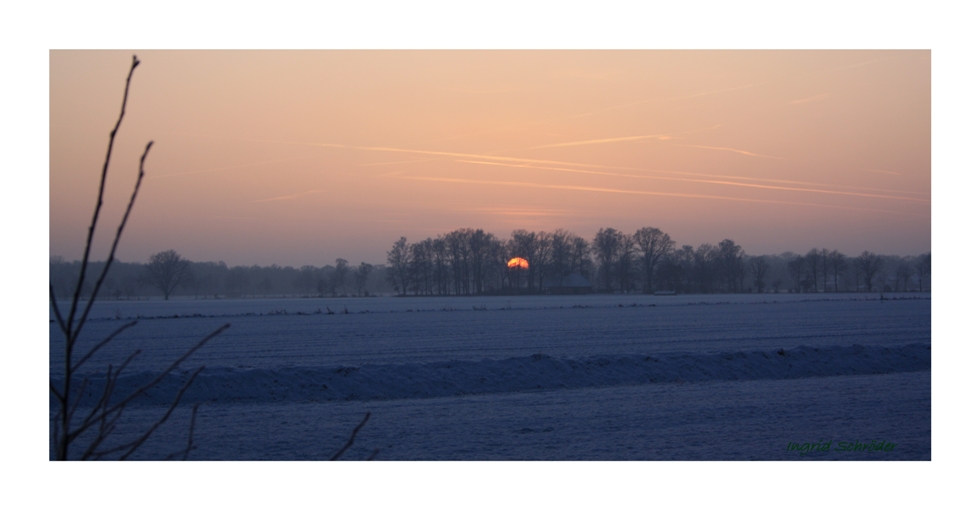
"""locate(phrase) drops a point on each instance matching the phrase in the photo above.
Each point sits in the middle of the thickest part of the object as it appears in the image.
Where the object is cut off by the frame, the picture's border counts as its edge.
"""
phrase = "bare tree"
(674, 270)
(758, 268)
(496, 271)
(903, 273)
(459, 260)
(166, 270)
(420, 267)
(522, 244)
(339, 276)
(399, 259)
(306, 279)
(836, 264)
(361, 277)
(561, 253)
(581, 258)
(482, 257)
(542, 253)
(440, 263)
(606, 247)
(824, 267)
(797, 273)
(923, 268)
(705, 264)
(868, 264)
(730, 257)
(653, 245)
(626, 253)
(776, 284)
(237, 281)
(812, 265)
(685, 270)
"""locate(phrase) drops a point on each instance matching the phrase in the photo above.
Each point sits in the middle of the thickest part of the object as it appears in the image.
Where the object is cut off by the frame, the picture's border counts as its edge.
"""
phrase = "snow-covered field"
(579, 377)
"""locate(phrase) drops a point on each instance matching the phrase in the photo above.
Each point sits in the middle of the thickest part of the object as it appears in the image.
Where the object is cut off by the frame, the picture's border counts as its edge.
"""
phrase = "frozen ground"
(718, 420)
(586, 377)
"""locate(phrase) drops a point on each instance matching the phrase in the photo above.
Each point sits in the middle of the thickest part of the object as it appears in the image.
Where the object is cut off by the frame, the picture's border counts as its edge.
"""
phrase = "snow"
(715, 420)
(536, 372)
(185, 306)
(573, 355)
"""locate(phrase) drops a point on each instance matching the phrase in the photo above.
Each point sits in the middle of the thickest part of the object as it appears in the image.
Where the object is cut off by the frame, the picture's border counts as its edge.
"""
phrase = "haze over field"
(302, 157)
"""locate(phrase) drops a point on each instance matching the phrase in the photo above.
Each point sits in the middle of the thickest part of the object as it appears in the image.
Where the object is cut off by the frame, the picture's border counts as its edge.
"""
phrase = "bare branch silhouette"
(105, 413)
(350, 442)
(115, 243)
(98, 346)
(146, 435)
(98, 203)
(119, 406)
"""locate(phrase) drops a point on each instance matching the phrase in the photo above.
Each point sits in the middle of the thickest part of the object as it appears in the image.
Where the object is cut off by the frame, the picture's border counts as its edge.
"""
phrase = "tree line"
(472, 261)
(475, 262)
(168, 274)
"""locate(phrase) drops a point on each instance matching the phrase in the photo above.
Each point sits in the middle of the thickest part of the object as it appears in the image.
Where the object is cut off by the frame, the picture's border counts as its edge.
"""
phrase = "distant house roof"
(574, 280)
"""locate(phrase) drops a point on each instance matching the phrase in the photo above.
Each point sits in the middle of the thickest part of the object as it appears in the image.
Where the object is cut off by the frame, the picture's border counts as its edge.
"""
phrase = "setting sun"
(517, 262)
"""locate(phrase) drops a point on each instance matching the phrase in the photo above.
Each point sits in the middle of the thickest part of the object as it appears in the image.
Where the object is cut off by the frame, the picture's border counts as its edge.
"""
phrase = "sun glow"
(517, 263)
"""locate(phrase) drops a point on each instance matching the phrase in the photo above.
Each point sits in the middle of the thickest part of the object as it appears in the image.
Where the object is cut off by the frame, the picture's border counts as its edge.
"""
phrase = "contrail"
(704, 181)
(747, 153)
(419, 160)
(603, 110)
(446, 155)
(227, 167)
(818, 97)
(638, 192)
(504, 211)
(665, 136)
(601, 140)
(881, 171)
(662, 100)
(288, 197)
(658, 100)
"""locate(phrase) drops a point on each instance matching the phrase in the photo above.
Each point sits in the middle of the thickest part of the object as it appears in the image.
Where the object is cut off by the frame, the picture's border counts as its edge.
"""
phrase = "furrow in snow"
(528, 373)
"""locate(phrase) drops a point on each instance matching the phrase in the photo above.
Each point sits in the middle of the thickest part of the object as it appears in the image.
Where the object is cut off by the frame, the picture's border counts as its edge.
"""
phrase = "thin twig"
(54, 432)
(68, 325)
(78, 398)
(57, 312)
(190, 438)
(102, 400)
(104, 433)
(55, 391)
(101, 344)
(98, 203)
(105, 413)
(350, 442)
(110, 386)
(115, 242)
(101, 416)
(155, 381)
(190, 434)
(136, 444)
(104, 428)
(173, 365)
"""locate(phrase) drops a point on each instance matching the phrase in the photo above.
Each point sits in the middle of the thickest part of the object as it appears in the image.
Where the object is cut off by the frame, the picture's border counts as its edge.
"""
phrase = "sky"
(303, 157)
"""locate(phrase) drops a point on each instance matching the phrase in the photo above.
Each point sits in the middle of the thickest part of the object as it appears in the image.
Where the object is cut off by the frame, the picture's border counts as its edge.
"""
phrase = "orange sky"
(301, 157)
